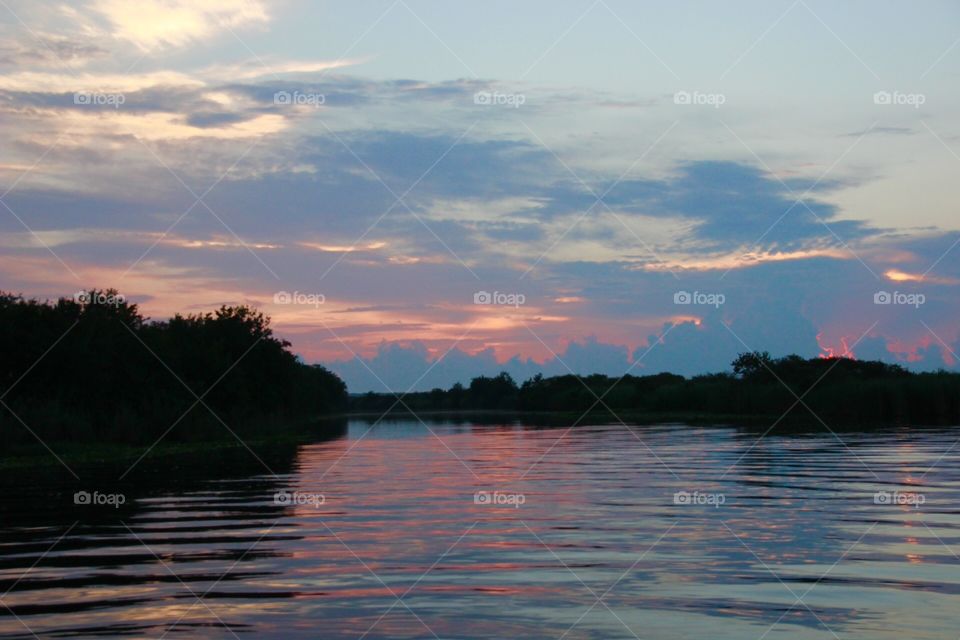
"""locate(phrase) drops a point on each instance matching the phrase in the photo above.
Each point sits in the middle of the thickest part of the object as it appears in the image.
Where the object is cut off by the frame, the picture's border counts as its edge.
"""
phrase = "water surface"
(442, 530)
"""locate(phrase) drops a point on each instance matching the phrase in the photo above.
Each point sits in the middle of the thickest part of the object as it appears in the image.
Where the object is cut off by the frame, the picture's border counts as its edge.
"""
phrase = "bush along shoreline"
(92, 369)
(839, 391)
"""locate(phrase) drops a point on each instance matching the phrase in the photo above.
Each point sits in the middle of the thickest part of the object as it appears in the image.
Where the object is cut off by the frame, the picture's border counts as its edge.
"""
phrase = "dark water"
(588, 536)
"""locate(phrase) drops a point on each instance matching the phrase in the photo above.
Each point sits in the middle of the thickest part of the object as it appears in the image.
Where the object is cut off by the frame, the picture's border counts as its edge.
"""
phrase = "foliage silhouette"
(95, 370)
(837, 389)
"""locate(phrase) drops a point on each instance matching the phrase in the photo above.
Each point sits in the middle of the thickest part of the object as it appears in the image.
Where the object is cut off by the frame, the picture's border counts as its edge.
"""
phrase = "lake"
(460, 530)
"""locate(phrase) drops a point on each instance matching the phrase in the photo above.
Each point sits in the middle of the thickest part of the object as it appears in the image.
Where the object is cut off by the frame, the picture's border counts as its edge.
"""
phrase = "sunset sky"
(646, 186)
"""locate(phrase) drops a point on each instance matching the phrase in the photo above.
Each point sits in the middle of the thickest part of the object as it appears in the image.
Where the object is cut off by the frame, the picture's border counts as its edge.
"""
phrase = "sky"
(421, 192)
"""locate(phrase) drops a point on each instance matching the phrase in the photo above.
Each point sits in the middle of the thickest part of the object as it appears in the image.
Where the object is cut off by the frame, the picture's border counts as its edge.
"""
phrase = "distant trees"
(835, 389)
(94, 369)
(499, 392)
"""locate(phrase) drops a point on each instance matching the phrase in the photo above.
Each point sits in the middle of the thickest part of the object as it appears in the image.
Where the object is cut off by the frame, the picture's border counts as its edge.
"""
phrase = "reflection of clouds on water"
(399, 519)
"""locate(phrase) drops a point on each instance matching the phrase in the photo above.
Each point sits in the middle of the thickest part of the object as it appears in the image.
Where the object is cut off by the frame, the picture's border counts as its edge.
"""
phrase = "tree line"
(837, 389)
(92, 368)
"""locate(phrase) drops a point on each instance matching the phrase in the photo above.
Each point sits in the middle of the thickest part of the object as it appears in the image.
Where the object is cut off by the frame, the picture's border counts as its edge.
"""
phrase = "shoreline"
(198, 453)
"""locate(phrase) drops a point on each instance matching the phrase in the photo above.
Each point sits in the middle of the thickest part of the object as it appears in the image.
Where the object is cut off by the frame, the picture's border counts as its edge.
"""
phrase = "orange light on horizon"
(895, 275)
(827, 351)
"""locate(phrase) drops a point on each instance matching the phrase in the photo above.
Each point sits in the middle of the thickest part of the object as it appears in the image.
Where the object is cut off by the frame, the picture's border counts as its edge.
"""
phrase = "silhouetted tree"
(92, 368)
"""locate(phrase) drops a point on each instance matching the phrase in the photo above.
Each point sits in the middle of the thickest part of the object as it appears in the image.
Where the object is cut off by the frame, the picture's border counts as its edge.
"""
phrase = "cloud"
(153, 24)
(51, 49)
(890, 131)
(395, 366)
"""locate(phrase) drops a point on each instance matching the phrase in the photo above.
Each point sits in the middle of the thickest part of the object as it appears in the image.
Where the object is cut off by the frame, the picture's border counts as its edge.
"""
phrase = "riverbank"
(172, 456)
(168, 456)
(793, 422)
